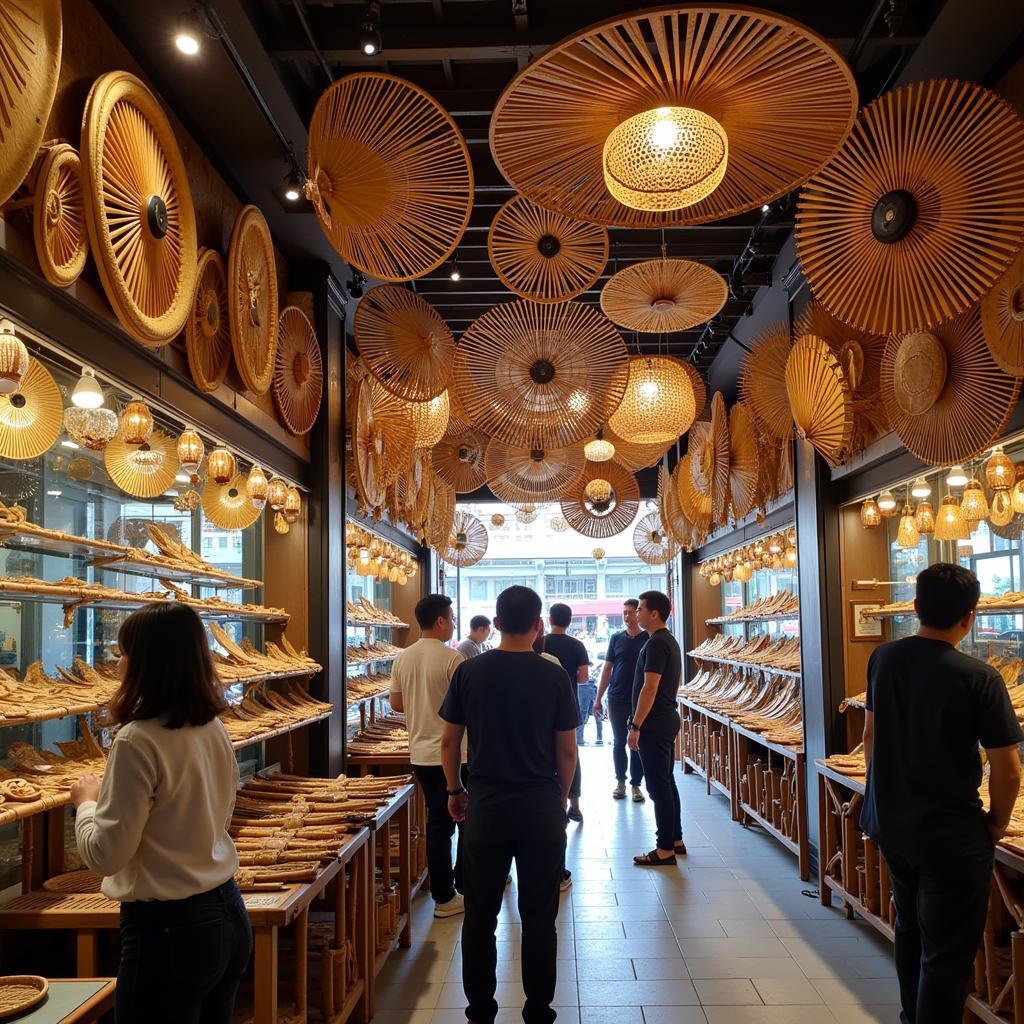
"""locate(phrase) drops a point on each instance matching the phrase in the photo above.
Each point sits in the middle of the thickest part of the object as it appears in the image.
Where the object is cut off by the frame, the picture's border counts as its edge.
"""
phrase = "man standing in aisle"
(479, 631)
(520, 712)
(420, 676)
(655, 724)
(617, 675)
(929, 709)
(573, 657)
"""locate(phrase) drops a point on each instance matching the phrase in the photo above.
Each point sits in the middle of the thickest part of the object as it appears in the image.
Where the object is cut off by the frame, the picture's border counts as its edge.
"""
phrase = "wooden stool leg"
(87, 952)
(265, 994)
(302, 963)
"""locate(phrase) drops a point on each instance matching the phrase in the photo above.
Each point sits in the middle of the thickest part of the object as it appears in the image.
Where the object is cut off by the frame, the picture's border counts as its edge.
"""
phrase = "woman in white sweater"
(156, 829)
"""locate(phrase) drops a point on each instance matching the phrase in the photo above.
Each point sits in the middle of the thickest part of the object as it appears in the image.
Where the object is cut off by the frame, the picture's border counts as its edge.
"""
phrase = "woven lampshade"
(136, 423)
(14, 358)
(908, 535)
(382, 439)
(925, 188)
(782, 97)
(600, 449)
(744, 461)
(80, 469)
(949, 522)
(558, 524)
(277, 493)
(527, 514)
(652, 542)
(281, 525)
(256, 485)
(208, 327)
(819, 398)
(870, 515)
(30, 418)
(292, 505)
(597, 490)
(924, 517)
(227, 505)
(518, 474)
(467, 542)
(92, 428)
(190, 450)
(458, 458)
(661, 296)
(763, 381)
(145, 470)
(389, 176)
(430, 420)
(1001, 512)
(497, 520)
(553, 373)
(658, 405)
(58, 216)
(1000, 472)
(1002, 318)
(598, 554)
(298, 381)
(220, 465)
(187, 501)
(611, 516)
(945, 396)
(252, 300)
(973, 503)
(542, 255)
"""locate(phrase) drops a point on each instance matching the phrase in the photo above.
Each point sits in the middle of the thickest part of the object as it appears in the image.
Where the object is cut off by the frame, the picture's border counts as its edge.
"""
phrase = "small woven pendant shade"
(658, 405)
(819, 398)
(662, 296)
(924, 517)
(298, 371)
(558, 524)
(14, 358)
(1002, 318)
(652, 542)
(497, 520)
(58, 217)
(430, 420)
(93, 428)
(1000, 472)
(221, 465)
(207, 328)
(146, 470)
(458, 459)
(31, 417)
(227, 505)
(974, 504)
(528, 474)
(949, 522)
(763, 381)
(256, 486)
(870, 514)
(1001, 511)
(605, 518)
(467, 542)
(744, 461)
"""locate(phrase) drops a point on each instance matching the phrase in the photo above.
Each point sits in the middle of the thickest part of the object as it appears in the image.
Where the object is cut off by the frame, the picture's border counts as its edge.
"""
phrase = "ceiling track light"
(370, 42)
(293, 183)
(189, 31)
(356, 284)
(454, 273)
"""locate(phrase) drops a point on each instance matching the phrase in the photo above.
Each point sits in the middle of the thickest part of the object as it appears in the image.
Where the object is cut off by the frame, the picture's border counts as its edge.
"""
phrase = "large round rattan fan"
(545, 256)
(227, 505)
(776, 469)
(920, 211)
(671, 512)
(517, 474)
(744, 461)
(661, 296)
(652, 542)
(819, 398)
(458, 459)
(382, 439)
(298, 372)
(146, 470)
(138, 208)
(695, 505)
(404, 342)
(389, 175)
(632, 455)
(252, 299)
(946, 396)
(30, 48)
(763, 381)
(709, 466)
(58, 216)
(207, 330)
(1002, 318)
(782, 96)
(467, 542)
(609, 516)
(529, 373)
(31, 418)
(441, 519)
(700, 389)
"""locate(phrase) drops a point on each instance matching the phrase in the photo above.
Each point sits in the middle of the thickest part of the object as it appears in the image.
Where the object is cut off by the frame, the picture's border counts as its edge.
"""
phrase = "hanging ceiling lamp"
(924, 517)
(14, 360)
(973, 504)
(558, 524)
(256, 486)
(920, 488)
(497, 520)
(190, 450)
(430, 420)
(1000, 471)
(598, 490)
(887, 504)
(220, 466)
(277, 494)
(957, 477)
(1001, 513)
(292, 505)
(950, 523)
(87, 393)
(870, 516)
(598, 554)
(599, 449)
(789, 558)
(908, 535)
(93, 428)
(659, 404)
(136, 423)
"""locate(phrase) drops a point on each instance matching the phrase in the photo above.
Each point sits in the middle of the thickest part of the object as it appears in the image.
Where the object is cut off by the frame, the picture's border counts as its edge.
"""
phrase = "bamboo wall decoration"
(532, 473)
(138, 208)
(671, 512)
(58, 216)
(709, 445)
(606, 518)
(298, 371)
(661, 296)
(207, 329)
(382, 440)
(467, 541)
(819, 398)
(696, 506)
(458, 459)
(785, 98)
(744, 461)
(31, 417)
(146, 470)
(441, 519)
(227, 505)
(700, 390)
(926, 190)
(389, 176)
(542, 255)
(652, 541)
(763, 381)
(1002, 318)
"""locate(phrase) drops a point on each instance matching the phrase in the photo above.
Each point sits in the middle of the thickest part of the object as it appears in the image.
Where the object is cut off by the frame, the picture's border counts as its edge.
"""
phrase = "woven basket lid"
(518, 474)
(763, 381)
(458, 459)
(651, 540)
(228, 505)
(608, 518)
(819, 398)
(467, 542)
(145, 471)
(31, 417)
(744, 461)
(661, 296)
(1002, 318)
(58, 216)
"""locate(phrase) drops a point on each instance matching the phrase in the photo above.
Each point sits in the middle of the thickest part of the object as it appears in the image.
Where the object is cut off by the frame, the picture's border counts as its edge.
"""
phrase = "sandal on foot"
(652, 860)
(679, 848)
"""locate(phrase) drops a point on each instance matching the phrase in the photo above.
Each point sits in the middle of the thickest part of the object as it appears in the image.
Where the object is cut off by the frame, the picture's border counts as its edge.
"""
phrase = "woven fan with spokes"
(542, 255)
(534, 473)
(661, 296)
(404, 342)
(695, 505)
(31, 418)
(527, 372)
(389, 176)
(458, 459)
(744, 461)
(441, 518)
(207, 329)
(925, 189)
(652, 542)
(58, 216)
(709, 445)
(946, 396)
(776, 469)
(603, 518)
(298, 372)
(671, 512)
(467, 542)
(138, 208)
(763, 381)
(1002, 318)
(228, 505)
(819, 398)
(382, 438)
(145, 471)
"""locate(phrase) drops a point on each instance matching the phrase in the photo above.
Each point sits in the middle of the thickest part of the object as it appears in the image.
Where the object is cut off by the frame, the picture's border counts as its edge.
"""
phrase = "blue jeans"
(586, 695)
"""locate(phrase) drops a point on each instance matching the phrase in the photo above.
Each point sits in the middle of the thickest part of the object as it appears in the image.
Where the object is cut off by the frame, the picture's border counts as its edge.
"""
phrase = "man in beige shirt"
(420, 677)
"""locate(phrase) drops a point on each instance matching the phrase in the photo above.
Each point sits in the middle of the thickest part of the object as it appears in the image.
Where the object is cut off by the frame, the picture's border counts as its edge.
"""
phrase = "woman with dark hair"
(156, 828)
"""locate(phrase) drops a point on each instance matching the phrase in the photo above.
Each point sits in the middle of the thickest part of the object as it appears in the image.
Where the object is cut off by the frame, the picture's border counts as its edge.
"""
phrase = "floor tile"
(744, 967)
(765, 945)
(786, 991)
(865, 991)
(726, 992)
(674, 1015)
(605, 969)
(669, 970)
(853, 1014)
(769, 1015)
(611, 1015)
(409, 996)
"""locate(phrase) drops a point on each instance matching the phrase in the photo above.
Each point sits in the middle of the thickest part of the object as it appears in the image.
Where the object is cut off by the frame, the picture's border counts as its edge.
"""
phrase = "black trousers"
(530, 829)
(941, 905)
(658, 754)
(618, 715)
(444, 879)
(182, 960)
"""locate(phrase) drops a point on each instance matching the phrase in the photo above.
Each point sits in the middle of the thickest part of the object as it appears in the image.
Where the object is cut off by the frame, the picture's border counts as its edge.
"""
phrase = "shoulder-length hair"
(170, 671)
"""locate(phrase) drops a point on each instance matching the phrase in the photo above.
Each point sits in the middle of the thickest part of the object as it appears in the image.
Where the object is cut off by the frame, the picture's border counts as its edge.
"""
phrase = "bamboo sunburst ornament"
(709, 466)
(652, 541)
(207, 329)
(31, 417)
(819, 398)
(58, 216)
(298, 371)
(138, 208)
(517, 474)
(389, 176)
(671, 511)
(252, 300)
(146, 470)
(926, 189)
(744, 461)
(542, 255)
(763, 381)
(441, 519)
(458, 459)
(227, 505)
(382, 439)
(661, 296)
(1002, 318)
(612, 514)
(695, 504)
(467, 541)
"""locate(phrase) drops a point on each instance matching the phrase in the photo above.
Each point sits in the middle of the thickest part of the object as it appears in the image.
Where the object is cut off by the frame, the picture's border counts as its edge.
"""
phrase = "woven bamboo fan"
(744, 461)
(776, 469)
(30, 48)
(382, 440)
(545, 256)
(252, 299)
(700, 390)
(819, 398)
(404, 342)
(709, 466)
(467, 542)
(58, 216)
(664, 295)
(518, 474)
(146, 470)
(389, 176)
(138, 208)
(458, 459)
(441, 519)
(946, 396)
(207, 329)
(782, 96)
(632, 455)
(652, 541)
(604, 518)
(31, 417)
(671, 511)
(529, 373)
(227, 505)
(1002, 318)
(763, 381)
(926, 189)
(695, 505)
(298, 372)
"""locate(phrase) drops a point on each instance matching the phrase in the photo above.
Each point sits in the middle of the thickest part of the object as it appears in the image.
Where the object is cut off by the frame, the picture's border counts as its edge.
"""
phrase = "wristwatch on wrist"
(633, 727)
(457, 792)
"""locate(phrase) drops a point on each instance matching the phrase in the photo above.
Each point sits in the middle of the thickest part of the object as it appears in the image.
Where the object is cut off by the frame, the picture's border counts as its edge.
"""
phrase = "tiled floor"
(725, 938)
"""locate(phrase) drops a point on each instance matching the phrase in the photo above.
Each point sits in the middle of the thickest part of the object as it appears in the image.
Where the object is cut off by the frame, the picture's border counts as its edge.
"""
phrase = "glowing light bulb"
(664, 134)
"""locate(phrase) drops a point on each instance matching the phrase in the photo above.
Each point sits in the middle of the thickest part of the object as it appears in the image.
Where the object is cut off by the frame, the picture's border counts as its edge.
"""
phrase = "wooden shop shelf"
(376, 625)
(757, 666)
(727, 620)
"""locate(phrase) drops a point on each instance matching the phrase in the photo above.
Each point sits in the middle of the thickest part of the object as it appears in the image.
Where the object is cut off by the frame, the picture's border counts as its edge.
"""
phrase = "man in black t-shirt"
(928, 708)
(617, 680)
(520, 713)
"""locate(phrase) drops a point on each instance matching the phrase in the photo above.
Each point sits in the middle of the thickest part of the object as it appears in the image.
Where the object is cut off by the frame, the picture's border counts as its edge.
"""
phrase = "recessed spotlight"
(69, 444)
(370, 41)
(54, 494)
(188, 33)
(454, 272)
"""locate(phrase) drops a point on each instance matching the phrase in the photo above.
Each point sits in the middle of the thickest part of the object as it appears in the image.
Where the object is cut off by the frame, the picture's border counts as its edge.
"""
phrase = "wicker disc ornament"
(252, 300)
(744, 461)
(652, 542)
(695, 504)
(458, 459)
(529, 474)
(529, 373)
(819, 398)
(661, 296)
(146, 470)
(298, 372)
(207, 330)
(227, 505)
(138, 207)
(605, 518)
(926, 189)
(389, 176)
(31, 417)
(382, 440)
(545, 256)
(945, 395)
(58, 217)
(709, 466)
(1002, 318)
(763, 381)
(467, 542)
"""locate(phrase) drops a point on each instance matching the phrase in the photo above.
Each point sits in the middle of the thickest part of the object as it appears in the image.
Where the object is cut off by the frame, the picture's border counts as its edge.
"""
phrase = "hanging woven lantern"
(497, 520)
(526, 514)
(598, 490)
(136, 423)
(190, 450)
(715, 579)
(93, 428)
(13, 358)
(870, 516)
(281, 525)
(789, 558)
(80, 469)
(558, 524)
(256, 486)
(924, 517)
(277, 494)
(659, 403)
(292, 505)
(1001, 513)
(1017, 497)
(430, 420)
(220, 466)
(187, 501)
(598, 554)
(599, 449)
(973, 504)
(908, 535)
(1000, 471)
(950, 523)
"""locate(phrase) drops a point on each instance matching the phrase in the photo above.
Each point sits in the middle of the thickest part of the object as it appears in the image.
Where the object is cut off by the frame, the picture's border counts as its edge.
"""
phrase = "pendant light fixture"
(920, 488)
(957, 477)
(1001, 513)
(497, 520)
(136, 423)
(87, 393)
(13, 359)
(256, 487)
(292, 505)
(789, 558)
(1000, 471)
(908, 535)
(887, 504)
(924, 517)
(277, 494)
(974, 505)
(598, 490)
(870, 516)
(950, 523)
(599, 449)
(1017, 497)
(190, 450)
(220, 466)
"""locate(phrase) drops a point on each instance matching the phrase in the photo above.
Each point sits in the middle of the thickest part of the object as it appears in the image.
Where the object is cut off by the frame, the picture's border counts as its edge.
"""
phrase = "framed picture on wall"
(865, 629)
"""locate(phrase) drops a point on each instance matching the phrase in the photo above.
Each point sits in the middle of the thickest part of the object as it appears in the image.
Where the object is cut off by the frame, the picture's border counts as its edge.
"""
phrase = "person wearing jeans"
(586, 694)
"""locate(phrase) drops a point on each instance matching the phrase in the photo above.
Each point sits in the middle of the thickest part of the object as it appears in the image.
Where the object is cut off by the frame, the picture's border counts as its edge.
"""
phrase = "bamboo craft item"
(600, 519)
(227, 505)
(298, 371)
(659, 402)
(744, 461)
(146, 470)
(1002, 318)
(382, 440)
(708, 447)
(31, 417)
(819, 398)
(19, 993)
(458, 459)
(763, 381)
(661, 296)
(533, 473)
(207, 328)
(58, 216)
(441, 518)
(671, 512)
(695, 505)
(652, 542)
(632, 455)
(467, 542)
